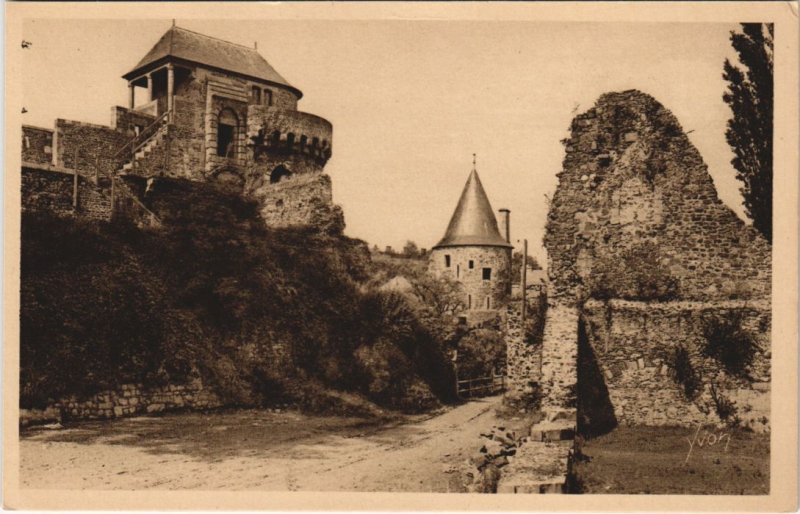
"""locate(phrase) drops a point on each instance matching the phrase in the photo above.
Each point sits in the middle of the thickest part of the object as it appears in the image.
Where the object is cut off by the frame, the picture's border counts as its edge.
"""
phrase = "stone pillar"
(170, 89)
(149, 87)
(131, 95)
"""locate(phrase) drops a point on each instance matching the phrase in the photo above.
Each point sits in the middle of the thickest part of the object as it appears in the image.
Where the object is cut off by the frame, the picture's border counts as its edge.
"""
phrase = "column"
(170, 88)
(149, 87)
(131, 95)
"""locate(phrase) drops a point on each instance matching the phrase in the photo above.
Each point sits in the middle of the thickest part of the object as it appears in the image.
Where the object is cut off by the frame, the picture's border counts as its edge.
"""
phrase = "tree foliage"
(750, 98)
(516, 266)
(255, 312)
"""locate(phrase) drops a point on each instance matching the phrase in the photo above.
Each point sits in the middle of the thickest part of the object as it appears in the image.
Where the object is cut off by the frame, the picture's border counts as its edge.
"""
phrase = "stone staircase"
(149, 157)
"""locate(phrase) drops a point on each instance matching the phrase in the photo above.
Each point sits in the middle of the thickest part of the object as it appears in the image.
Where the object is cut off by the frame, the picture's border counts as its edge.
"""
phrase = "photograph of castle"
(538, 261)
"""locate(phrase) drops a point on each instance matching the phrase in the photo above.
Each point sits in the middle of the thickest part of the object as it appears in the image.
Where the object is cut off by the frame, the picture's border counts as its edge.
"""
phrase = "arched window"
(227, 128)
(279, 173)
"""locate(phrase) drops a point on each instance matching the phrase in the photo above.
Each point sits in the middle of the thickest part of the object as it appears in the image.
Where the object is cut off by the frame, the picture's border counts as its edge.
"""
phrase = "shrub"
(727, 342)
(480, 353)
(684, 373)
(254, 311)
(726, 409)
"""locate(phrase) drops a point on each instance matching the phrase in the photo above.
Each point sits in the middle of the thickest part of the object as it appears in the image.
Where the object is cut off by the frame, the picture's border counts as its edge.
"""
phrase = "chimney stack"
(506, 224)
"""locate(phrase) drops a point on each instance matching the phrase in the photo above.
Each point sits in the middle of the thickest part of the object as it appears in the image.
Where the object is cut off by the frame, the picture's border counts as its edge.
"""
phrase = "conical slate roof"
(473, 222)
(198, 48)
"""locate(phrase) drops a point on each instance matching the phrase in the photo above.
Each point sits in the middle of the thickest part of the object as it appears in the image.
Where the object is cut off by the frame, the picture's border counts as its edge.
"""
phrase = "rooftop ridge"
(211, 37)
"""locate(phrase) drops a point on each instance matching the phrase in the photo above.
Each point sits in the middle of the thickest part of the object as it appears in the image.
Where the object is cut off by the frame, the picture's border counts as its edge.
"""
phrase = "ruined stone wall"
(631, 177)
(301, 200)
(51, 190)
(633, 343)
(478, 294)
(37, 144)
(88, 147)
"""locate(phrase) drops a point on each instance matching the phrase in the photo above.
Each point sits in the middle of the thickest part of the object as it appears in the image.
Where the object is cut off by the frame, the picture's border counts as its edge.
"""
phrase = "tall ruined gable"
(633, 185)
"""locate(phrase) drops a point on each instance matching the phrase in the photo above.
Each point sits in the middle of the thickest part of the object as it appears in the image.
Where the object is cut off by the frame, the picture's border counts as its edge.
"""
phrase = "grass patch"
(653, 460)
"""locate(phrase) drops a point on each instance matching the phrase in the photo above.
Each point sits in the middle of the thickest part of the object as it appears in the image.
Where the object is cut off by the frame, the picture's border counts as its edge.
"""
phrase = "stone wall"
(630, 178)
(301, 200)
(633, 343)
(37, 144)
(88, 147)
(50, 189)
(128, 400)
(523, 358)
(636, 221)
(129, 120)
(478, 294)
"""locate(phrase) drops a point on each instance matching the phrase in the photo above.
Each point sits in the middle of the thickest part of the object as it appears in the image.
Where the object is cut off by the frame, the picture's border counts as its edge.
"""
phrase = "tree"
(749, 134)
(410, 250)
(516, 266)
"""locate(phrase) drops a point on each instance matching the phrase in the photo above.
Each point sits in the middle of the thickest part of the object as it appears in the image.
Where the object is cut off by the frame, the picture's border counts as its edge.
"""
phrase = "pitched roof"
(473, 222)
(201, 49)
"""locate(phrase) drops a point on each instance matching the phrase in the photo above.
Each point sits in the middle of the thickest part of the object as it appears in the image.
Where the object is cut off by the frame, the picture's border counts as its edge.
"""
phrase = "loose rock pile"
(499, 445)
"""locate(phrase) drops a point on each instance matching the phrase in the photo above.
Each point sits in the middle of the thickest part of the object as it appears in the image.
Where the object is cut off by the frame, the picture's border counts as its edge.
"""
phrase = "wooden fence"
(482, 386)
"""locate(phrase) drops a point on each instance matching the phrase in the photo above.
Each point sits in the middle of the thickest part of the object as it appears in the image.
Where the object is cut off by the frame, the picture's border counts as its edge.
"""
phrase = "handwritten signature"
(708, 439)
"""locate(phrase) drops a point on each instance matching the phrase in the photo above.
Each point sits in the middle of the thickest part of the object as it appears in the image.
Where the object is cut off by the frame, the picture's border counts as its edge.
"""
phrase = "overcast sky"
(411, 101)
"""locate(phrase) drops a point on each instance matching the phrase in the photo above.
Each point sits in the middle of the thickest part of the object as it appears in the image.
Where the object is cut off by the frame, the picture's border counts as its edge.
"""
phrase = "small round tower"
(473, 253)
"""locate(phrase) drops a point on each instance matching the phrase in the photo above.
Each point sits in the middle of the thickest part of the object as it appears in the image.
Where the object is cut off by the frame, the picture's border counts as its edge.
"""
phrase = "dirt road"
(258, 450)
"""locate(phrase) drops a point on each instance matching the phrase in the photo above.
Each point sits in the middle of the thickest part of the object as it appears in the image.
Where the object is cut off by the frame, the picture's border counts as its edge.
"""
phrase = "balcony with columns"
(159, 89)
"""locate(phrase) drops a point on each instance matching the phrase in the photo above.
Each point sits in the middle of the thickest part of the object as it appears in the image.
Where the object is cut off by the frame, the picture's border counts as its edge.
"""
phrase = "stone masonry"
(128, 400)
(633, 342)
(523, 359)
(631, 176)
(214, 111)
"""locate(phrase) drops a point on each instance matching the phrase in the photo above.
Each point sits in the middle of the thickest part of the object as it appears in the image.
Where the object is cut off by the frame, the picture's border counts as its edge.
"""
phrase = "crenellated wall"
(290, 131)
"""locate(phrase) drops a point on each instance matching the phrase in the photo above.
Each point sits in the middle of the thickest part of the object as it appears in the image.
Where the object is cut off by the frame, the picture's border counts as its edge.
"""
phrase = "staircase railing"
(133, 146)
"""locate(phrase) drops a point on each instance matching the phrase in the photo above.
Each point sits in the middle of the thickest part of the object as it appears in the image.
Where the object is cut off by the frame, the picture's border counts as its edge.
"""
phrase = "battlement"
(287, 131)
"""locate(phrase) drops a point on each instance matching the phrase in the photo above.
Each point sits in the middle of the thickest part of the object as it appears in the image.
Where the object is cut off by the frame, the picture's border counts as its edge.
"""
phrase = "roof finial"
(255, 45)
(474, 158)
(173, 22)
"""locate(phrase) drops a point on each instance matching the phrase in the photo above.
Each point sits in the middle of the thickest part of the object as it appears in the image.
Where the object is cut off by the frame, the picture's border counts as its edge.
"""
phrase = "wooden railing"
(133, 146)
(482, 386)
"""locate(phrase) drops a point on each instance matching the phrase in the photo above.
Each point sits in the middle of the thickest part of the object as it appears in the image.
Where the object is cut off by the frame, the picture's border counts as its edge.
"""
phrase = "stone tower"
(473, 252)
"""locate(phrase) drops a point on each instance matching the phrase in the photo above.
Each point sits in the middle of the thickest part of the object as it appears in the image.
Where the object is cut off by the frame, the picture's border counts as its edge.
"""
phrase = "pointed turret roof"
(473, 222)
(198, 48)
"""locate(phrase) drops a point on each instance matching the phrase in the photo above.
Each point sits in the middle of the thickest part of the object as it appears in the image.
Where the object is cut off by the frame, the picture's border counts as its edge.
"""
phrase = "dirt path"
(257, 450)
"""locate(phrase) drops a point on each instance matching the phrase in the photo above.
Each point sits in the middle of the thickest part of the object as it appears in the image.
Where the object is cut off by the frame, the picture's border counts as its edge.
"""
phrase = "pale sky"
(411, 101)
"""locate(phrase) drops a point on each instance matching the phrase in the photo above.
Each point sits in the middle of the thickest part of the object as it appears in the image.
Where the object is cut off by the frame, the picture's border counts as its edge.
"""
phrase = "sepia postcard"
(401, 256)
